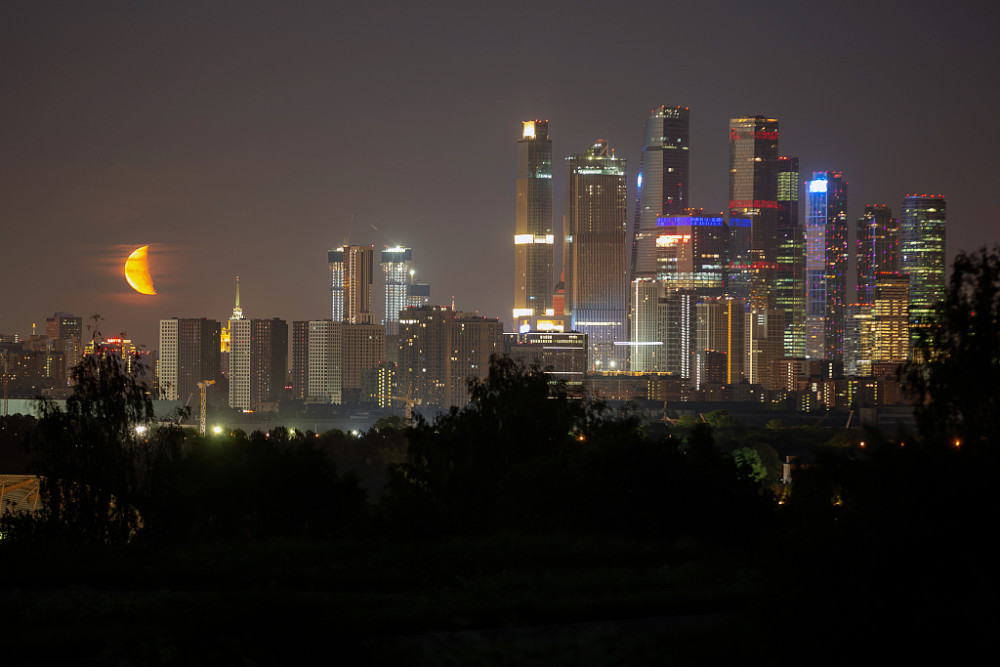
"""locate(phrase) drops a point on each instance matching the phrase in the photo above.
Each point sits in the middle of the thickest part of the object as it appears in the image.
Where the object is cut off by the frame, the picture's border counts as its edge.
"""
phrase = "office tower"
(720, 328)
(826, 265)
(789, 279)
(66, 333)
(690, 252)
(300, 360)
(921, 255)
(857, 339)
(662, 184)
(351, 275)
(594, 254)
(878, 245)
(890, 318)
(188, 354)
(563, 355)
(753, 196)
(766, 341)
(397, 269)
(533, 238)
(677, 325)
(646, 346)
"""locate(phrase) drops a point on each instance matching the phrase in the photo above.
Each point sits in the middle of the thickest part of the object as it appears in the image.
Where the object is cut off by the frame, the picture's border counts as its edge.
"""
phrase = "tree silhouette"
(960, 382)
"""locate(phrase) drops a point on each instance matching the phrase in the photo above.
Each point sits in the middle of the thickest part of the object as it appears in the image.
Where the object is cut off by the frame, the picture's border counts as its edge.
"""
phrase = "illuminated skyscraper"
(789, 278)
(826, 265)
(397, 265)
(351, 283)
(922, 258)
(878, 248)
(890, 318)
(690, 252)
(533, 238)
(753, 196)
(662, 184)
(594, 254)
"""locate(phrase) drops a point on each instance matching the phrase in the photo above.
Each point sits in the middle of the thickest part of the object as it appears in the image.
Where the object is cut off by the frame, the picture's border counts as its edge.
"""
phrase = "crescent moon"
(137, 271)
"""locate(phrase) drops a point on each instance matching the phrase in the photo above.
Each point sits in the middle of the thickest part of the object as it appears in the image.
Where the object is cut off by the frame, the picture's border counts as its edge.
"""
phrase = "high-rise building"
(721, 328)
(890, 318)
(188, 354)
(397, 268)
(300, 360)
(533, 237)
(922, 255)
(441, 350)
(826, 265)
(789, 278)
(645, 333)
(878, 248)
(66, 333)
(857, 339)
(663, 183)
(561, 355)
(690, 252)
(753, 196)
(594, 252)
(323, 377)
(351, 276)
(362, 349)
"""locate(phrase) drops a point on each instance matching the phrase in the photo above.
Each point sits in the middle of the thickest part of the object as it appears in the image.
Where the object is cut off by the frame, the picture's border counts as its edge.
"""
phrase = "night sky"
(244, 137)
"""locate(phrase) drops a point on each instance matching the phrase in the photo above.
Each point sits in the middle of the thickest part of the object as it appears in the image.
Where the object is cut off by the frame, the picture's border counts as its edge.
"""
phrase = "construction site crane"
(203, 386)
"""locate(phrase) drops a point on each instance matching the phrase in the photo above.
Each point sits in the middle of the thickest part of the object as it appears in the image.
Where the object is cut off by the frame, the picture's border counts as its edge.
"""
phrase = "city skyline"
(228, 166)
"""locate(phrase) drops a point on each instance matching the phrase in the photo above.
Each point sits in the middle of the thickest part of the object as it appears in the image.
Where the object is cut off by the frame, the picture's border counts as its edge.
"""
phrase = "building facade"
(594, 252)
(351, 277)
(922, 255)
(533, 236)
(753, 196)
(878, 248)
(397, 269)
(663, 183)
(826, 265)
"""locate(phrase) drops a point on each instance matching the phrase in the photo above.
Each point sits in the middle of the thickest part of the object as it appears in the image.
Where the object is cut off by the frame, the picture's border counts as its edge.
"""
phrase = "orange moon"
(137, 271)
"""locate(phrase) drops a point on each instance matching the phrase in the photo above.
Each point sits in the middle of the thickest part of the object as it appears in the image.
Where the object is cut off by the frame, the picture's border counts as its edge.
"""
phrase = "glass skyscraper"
(351, 283)
(594, 252)
(396, 265)
(922, 254)
(789, 279)
(662, 183)
(877, 248)
(753, 196)
(826, 265)
(533, 239)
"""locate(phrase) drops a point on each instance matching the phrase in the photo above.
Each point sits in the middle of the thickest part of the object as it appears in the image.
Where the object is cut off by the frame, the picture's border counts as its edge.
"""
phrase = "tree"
(89, 452)
(959, 383)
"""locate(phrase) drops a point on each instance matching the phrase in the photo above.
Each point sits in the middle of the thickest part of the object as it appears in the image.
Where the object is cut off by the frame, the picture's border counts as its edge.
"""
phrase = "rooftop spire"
(237, 311)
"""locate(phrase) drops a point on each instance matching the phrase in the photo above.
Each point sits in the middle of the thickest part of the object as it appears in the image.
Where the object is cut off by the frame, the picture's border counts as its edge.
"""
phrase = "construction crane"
(203, 386)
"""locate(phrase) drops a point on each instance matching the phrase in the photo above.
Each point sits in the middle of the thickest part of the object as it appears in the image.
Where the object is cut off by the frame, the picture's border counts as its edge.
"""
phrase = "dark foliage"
(524, 455)
(960, 383)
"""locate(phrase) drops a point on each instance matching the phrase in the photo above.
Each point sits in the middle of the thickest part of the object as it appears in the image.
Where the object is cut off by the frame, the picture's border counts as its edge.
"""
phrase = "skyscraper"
(826, 265)
(690, 252)
(351, 275)
(878, 246)
(533, 238)
(922, 254)
(753, 196)
(662, 184)
(397, 264)
(789, 278)
(594, 255)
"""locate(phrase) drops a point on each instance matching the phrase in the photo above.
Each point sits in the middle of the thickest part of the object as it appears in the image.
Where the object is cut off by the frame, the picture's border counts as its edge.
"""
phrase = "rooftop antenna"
(237, 311)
